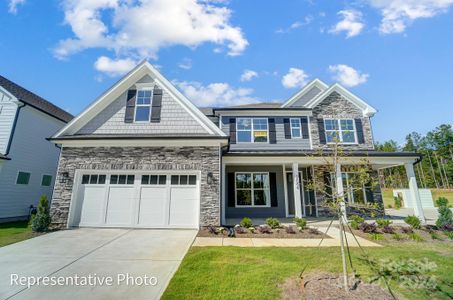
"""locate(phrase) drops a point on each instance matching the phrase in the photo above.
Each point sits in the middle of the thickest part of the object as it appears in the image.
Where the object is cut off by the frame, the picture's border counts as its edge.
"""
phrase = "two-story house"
(142, 155)
(28, 161)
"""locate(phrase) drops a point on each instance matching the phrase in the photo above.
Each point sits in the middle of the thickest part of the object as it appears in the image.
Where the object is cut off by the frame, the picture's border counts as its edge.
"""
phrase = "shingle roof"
(34, 100)
(257, 105)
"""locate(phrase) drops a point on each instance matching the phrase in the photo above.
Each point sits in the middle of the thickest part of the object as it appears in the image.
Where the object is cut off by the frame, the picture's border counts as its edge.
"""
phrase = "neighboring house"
(28, 162)
(142, 155)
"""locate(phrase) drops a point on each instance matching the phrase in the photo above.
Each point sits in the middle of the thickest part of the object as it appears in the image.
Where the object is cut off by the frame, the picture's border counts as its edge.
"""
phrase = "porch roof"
(354, 153)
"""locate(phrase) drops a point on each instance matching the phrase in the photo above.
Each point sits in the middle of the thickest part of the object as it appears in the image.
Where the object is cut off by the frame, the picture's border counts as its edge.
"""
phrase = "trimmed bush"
(383, 222)
(355, 221)
(246, 222)
(388, 229)
(397, 201)
(273, 223)
(301, 223)
(368, 228)
(445, 215)
(41, 221)
(240, 230)
(265, 229)
(413, 221)
(290, 230)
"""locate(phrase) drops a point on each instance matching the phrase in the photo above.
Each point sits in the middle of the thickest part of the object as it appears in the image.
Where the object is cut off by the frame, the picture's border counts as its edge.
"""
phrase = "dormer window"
(340, 130)
(252, 130)
(143, 106)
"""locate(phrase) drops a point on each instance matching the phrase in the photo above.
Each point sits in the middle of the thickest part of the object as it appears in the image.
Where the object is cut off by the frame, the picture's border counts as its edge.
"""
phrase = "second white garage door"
(138, 200)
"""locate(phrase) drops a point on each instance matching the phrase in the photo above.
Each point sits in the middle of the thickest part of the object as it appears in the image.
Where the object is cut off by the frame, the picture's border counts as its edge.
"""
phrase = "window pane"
(113, 179)
(174, 179)
(192, 179)
(295, 132)
(94, 179)
(46, 180)
(244, 124)
(243, 181)
(23, 178)
(244, 136)
(122, 179)
(183, 179)
(101, 179)
(142, 113)
(144, 97)
(244, 197)
(162, 179)
(331, 124)
(295, 122)
(260, 197)
(346, 125)
(332, 136)
(359, 196)
(130, 179)
(85, 179)
(145, 179)
(260, 136)
(153, 179)
(260, 181)
(260, 124)
(348, 136)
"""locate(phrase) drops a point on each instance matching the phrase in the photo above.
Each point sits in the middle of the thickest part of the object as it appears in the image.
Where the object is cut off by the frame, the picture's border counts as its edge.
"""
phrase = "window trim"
(340, 131)
(143, 105)
(17, 177)
(252, 130)
(51, 178)
(252, 189)
(291, 128)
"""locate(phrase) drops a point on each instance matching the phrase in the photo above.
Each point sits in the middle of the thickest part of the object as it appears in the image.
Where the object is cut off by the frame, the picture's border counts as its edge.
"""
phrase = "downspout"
(16, 117)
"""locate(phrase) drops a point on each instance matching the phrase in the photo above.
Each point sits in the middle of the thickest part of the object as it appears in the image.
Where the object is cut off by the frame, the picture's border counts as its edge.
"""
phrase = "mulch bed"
(276, 234)
(325, 286)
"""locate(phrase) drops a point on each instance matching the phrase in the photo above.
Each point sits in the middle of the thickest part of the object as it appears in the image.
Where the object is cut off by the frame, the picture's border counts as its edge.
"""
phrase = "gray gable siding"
(282, 143)
(312, 93)
(174, 120)
(7, 114)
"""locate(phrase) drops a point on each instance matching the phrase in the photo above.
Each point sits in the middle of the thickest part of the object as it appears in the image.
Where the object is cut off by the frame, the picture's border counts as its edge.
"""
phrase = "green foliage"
(246, 222)
(376, 236)
(355, 221)
(435, 236)
(416, 237)
(449, 234)
(445, 215)
(41, 221)
(273, 223)
(397, 236)
(301, 223)
(442, 202)
(383, 222)
(413, 221)
(397, 201)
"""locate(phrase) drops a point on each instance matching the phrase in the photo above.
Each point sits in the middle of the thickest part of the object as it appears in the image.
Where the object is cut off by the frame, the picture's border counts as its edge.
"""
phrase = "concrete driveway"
(132, 259)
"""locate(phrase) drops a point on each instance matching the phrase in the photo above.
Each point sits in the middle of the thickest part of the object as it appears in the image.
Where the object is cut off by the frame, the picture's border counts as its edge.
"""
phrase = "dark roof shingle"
(34, 100)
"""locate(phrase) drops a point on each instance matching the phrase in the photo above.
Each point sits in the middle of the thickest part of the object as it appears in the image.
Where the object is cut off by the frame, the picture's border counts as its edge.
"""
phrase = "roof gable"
(133, 77)
(305, 92)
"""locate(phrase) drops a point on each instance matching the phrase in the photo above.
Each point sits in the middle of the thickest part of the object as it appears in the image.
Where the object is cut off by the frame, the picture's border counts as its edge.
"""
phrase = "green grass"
(14, 232)
(254, 273)
(387, 195)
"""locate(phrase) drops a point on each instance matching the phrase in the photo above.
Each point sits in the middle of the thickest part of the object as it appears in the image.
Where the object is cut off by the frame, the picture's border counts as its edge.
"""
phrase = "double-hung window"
(354, 192)
(252, 130)
(296, 128)
(340, 130)
(143, 106)
(252, 189)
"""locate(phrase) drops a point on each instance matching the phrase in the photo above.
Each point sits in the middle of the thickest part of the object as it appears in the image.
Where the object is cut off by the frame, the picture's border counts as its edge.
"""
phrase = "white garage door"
(138, 200)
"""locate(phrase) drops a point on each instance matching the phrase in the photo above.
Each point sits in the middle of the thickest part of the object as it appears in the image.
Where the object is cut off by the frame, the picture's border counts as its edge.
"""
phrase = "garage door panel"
(153, 206)
(92, 205)
(183, 207)
(120, 206)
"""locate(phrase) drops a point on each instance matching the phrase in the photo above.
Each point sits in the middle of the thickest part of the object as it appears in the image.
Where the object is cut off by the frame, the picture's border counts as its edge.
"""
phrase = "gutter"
(132, 137)
(16, 117)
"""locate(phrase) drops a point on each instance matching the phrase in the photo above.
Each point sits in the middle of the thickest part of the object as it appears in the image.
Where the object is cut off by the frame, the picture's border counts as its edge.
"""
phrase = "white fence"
(425, 196)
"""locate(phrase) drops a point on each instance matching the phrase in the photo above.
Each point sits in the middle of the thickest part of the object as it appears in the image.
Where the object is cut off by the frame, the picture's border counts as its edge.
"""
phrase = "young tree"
(41, 221)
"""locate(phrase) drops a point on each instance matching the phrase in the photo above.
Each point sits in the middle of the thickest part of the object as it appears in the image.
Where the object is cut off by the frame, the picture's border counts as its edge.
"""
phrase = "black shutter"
(231, 191)
(272, 133)
(273, 189)
(359, 129)
(233, 131)
(304, 127)
(287, 128)
(130, 106)
(156, 105)
(322, 132)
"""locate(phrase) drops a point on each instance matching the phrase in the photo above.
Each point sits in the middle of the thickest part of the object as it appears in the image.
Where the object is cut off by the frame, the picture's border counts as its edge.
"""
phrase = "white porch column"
(223, 196)
(340, 192)
(413, 189)
(296, 189)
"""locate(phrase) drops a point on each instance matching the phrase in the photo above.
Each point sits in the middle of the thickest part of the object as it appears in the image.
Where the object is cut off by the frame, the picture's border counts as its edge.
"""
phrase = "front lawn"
(387, 195)
(255, 273)
(14, 232)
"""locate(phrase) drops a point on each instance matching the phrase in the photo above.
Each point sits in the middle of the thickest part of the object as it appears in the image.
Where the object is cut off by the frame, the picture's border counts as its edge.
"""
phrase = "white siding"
(7, 113)
(31, 152)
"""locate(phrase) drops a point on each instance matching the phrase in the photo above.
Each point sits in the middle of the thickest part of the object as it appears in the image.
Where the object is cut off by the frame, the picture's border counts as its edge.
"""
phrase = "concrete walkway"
(333, 241)
(100, 253)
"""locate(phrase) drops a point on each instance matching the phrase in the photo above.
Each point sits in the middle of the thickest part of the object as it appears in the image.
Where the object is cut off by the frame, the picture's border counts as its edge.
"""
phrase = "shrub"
(397, 236)
(413, 221)
(435, 236)
(252, 229)
(407, 230)
(356, 221)
(221, 230)
(265, 229)
(383, 222)
(273, 223)
(41, 220)
(397, 201)
(388, 229)
(246, 222)
(449, 234)
(240, 230)
(448, 227)
(389, 206)
(416, 237)
(301, 223)
(290, 230)
(376, 236)
(313, 231)
(211, 229)
(368, 228)
(445, 214)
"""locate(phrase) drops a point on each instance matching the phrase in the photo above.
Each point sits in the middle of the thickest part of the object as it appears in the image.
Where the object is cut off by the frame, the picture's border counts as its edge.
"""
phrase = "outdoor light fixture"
(64, 177)
(210, 178)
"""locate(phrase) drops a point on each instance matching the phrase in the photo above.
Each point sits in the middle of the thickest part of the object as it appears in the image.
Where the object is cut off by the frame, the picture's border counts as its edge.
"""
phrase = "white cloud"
(351, 23)
(398, 14)
(185, 64)
(294, 78)
(114, 67)
(215, 94)
(347, 75)
(13, 4)
(248, 75)
(298, 24)
(139, 29)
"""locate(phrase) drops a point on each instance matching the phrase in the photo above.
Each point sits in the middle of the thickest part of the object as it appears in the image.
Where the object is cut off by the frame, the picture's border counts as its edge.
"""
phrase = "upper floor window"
(296, 128)
(340, 130)
(252, 130)
(23, 178)
(143, 106)
(46, 180)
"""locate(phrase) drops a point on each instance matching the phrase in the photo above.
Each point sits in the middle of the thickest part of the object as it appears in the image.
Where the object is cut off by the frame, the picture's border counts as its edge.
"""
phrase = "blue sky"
(396, 55)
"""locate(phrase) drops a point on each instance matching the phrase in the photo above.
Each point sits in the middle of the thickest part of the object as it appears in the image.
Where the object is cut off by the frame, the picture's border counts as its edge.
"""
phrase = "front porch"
(263, 186)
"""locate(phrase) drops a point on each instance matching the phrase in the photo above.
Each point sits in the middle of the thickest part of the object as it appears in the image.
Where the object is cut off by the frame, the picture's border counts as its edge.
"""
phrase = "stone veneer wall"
(335, 106)
(204, 159)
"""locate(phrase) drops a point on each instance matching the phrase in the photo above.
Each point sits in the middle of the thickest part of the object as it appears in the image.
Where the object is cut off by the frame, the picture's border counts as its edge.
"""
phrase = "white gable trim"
(367, 109)
(144, 68)
(314, 83)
